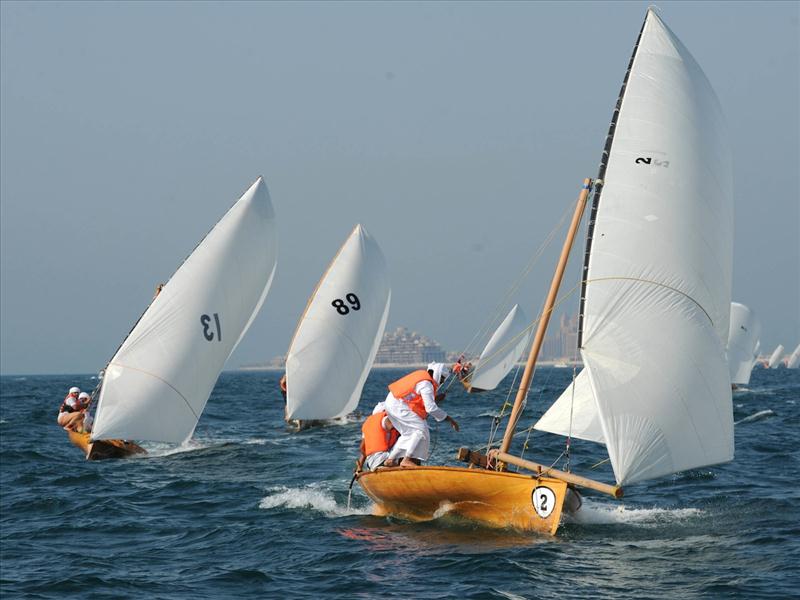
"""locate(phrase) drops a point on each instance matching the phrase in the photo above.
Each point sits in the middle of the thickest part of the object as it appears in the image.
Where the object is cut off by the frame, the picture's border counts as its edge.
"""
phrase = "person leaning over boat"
(409, 402)
(70, 414)
(378, 436)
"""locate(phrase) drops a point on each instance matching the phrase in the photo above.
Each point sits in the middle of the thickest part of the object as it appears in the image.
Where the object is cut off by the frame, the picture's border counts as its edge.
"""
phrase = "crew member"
(409, 402)
(70, 414)
(378, 435)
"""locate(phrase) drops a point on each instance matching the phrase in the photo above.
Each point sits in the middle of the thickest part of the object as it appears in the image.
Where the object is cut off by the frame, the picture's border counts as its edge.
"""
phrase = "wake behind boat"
(655, 304)
(158, 382)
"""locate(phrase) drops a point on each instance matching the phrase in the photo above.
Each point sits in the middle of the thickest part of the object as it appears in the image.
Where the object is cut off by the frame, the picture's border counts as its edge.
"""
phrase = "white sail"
(775, 358)
(157, 384)
(504, 348)
(658, 280)
(745, 330)
(794, 359)
(574, 414)
(339, 333)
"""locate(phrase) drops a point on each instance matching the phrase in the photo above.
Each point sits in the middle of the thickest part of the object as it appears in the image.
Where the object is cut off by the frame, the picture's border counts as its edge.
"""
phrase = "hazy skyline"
(456, 133)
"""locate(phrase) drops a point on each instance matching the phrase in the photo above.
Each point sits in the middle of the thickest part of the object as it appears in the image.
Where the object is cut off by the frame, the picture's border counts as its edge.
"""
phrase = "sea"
(249, 508)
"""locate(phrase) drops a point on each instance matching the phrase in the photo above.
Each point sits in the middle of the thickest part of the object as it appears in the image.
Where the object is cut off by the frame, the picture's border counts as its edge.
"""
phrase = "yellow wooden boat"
(103, 449)
(491, 498)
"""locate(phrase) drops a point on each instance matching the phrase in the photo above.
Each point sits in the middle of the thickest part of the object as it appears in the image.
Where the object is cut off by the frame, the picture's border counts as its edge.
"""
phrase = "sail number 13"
(342, 308)
(208, 332)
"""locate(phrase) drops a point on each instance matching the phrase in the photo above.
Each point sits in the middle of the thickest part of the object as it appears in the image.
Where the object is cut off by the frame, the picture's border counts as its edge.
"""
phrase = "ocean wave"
(760, 415)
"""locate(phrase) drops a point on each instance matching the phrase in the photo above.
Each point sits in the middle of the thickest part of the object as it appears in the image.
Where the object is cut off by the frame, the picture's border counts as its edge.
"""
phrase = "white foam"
(593, 513)
(762, 414)
(315, 499)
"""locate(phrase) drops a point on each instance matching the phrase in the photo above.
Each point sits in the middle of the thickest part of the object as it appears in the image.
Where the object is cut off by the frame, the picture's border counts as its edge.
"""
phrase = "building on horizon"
(404, 347)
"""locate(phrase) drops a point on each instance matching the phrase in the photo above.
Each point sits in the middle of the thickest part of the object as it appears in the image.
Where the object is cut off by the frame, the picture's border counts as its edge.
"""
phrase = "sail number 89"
(342, 308)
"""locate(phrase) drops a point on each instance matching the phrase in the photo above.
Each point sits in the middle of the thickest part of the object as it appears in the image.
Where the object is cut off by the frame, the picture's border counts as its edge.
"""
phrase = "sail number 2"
(342, 308)
(208, 333)
(650, 161)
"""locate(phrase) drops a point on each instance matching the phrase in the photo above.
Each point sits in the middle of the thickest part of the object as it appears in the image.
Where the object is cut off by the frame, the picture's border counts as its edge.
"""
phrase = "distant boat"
(654, 312)
(156, 386)
(775, 358)
(501, 353)
(338, 335)
(743, 341)
(794, 360)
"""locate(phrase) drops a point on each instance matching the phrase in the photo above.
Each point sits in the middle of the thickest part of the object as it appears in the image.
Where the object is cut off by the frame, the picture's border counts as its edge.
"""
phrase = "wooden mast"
(545, 319)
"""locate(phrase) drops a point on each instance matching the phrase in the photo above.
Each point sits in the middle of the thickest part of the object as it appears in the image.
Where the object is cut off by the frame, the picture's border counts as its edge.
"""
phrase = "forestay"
(502, 351)
(745, 331)
(338, 335)
(158, 382)
(656, 299)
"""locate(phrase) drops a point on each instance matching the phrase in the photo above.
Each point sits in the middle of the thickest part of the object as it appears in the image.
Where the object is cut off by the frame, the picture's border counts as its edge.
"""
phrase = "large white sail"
(794, 359)
(504, 348)
(157, 384)
(339, 333)
(745, 331)
(775, 358)
(656, 300)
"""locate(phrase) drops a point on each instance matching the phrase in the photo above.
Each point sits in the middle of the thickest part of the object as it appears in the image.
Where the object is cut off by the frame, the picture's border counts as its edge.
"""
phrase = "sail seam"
(189, 406)
(656, 283)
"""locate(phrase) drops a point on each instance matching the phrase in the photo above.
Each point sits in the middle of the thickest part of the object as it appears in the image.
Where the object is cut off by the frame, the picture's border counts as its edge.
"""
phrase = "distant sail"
(658, 272)
(339, 333)
(502, 351)
(745, 331)
(157, 384)
(794, 359)
(775, 358)
(574, 414)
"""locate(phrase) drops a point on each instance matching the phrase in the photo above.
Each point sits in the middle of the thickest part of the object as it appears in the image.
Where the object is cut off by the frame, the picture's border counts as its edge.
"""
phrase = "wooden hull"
(103, 449)
(495, 499)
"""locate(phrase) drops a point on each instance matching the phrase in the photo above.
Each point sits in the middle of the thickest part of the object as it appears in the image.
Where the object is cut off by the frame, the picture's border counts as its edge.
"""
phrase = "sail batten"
(158, 382)
(657, 276)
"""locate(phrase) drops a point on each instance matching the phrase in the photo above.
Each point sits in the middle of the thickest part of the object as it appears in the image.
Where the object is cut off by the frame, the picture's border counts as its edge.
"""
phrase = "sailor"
(378, 435)
(282, 384)
(84, 400)
(69, 412)
(409, 402)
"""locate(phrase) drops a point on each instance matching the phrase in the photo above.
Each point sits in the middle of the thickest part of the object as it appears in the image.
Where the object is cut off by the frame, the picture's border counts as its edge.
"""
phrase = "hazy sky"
(456, 133)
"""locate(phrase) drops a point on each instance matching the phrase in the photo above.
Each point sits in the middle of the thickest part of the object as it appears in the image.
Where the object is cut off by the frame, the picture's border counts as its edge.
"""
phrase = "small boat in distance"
(743, 342)
(338, 334)
(653, 322)
(158, 382)
(775, 358)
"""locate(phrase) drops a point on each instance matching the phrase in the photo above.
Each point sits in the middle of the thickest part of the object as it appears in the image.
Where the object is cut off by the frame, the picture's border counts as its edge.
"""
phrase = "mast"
(545, 319)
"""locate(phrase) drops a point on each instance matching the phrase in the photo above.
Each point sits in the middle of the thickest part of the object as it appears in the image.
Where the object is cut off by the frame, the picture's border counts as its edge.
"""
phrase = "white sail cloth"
(339, 333)
(745, 331)
(794, 359)
(503, 349)
(574, 414)
(657, 297)
(157, 384)
(775, 358)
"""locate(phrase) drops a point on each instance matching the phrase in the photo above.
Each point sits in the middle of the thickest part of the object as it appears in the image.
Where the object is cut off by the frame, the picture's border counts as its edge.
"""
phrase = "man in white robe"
(414, 442)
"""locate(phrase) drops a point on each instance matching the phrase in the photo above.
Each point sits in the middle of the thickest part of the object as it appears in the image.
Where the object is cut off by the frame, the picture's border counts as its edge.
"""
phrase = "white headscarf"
(439, 370)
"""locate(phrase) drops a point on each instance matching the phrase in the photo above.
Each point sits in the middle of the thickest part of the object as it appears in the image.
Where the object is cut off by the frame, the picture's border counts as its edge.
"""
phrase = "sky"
(457, 133)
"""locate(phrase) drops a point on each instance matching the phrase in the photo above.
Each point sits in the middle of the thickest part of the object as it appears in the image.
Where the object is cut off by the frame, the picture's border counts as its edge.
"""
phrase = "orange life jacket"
(376, 438)
(403, 389)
